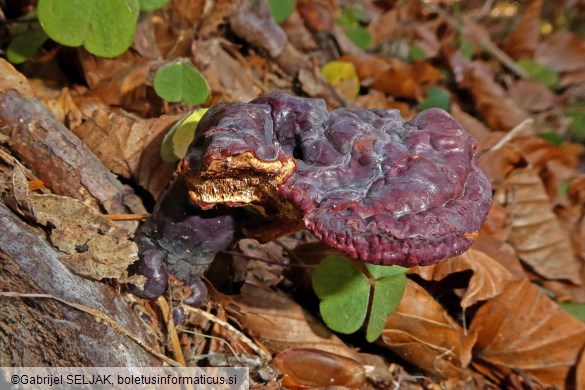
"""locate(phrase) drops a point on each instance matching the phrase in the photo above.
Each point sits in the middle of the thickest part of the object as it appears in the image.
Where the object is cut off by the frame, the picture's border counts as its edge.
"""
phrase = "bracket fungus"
(366, 182)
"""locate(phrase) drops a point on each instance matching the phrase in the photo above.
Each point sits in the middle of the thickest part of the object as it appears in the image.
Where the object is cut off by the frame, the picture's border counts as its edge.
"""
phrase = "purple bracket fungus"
(365, 182)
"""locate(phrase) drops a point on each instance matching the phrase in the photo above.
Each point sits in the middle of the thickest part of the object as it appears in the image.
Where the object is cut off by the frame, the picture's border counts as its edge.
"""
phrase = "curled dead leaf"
(499, 111)
(421, 332)
(535, 231)
(488, 280)
(524, 38)
(92, 246)
(562, 52)
(279, 323)
(540, 339)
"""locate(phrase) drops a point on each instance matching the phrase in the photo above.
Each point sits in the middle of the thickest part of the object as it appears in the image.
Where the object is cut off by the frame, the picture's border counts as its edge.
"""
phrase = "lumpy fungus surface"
(366, 182)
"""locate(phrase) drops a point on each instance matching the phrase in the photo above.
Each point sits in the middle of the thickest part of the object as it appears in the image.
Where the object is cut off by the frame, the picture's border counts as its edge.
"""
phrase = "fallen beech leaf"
(297, 32)
(469, 123)
(384, 26)
(343, 76)
(308, 367)
(279, 323)
(10, 78)
(318, 15)
(580, 372)
(535, 231)
(488, 280)
(540, 340)
(563, 52)
(115, 80)
(127, 145)
(540, 153)
(576, 77)
(93, 246)
(421, 332)
(534, 96)
(523, 40)
(393, 76)
(498, 110)
(396, 80)
(224, 74)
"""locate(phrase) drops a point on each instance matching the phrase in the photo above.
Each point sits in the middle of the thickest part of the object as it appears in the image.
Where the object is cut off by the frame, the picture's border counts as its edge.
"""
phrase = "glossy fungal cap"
(365, 182)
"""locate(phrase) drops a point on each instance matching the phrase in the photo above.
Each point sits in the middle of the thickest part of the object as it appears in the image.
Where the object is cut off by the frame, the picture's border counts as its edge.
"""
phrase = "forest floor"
(509, 312)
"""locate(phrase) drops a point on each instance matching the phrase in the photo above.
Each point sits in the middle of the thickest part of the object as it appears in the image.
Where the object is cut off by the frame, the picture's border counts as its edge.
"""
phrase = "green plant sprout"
(351, 297)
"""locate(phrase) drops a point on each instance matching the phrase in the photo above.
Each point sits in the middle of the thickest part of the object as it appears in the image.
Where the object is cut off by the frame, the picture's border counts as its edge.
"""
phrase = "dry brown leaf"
(492, 241)
(535, 231)
(469, 123)
(297, 33)
(533, 96)
(562, 52)
(396, 80)
(427, 37)
(384, 26)
(394, 77)
(279, 323)
(523, 330)
(539, 153)
(92, 245)
(112, 79)
(10, 78)
(580, 372)
(498, 110)
(224, 74)
(421, 332)
(318, 15)
(488, 280)
(524, 38)
(127, 145)
(576, 77)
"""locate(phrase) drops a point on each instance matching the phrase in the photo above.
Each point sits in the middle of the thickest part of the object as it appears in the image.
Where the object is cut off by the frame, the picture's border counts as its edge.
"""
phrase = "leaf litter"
(484, 314)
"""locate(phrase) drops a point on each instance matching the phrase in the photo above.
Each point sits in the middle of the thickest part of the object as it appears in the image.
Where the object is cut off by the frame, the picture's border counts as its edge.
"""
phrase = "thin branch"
(525, 124)
(259, 351)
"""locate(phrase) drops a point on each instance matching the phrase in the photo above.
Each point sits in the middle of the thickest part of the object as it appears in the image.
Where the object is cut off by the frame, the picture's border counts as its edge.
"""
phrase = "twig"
(168, 317)
(213, 338)
(100, 316)
(526, 123)
(260, 352)
(126, 217)
(34, 185)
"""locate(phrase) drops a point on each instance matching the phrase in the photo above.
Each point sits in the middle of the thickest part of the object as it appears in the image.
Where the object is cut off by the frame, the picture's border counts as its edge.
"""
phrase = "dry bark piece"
(365, 182)
(60, 159)
(38, 262)
(91, 245)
